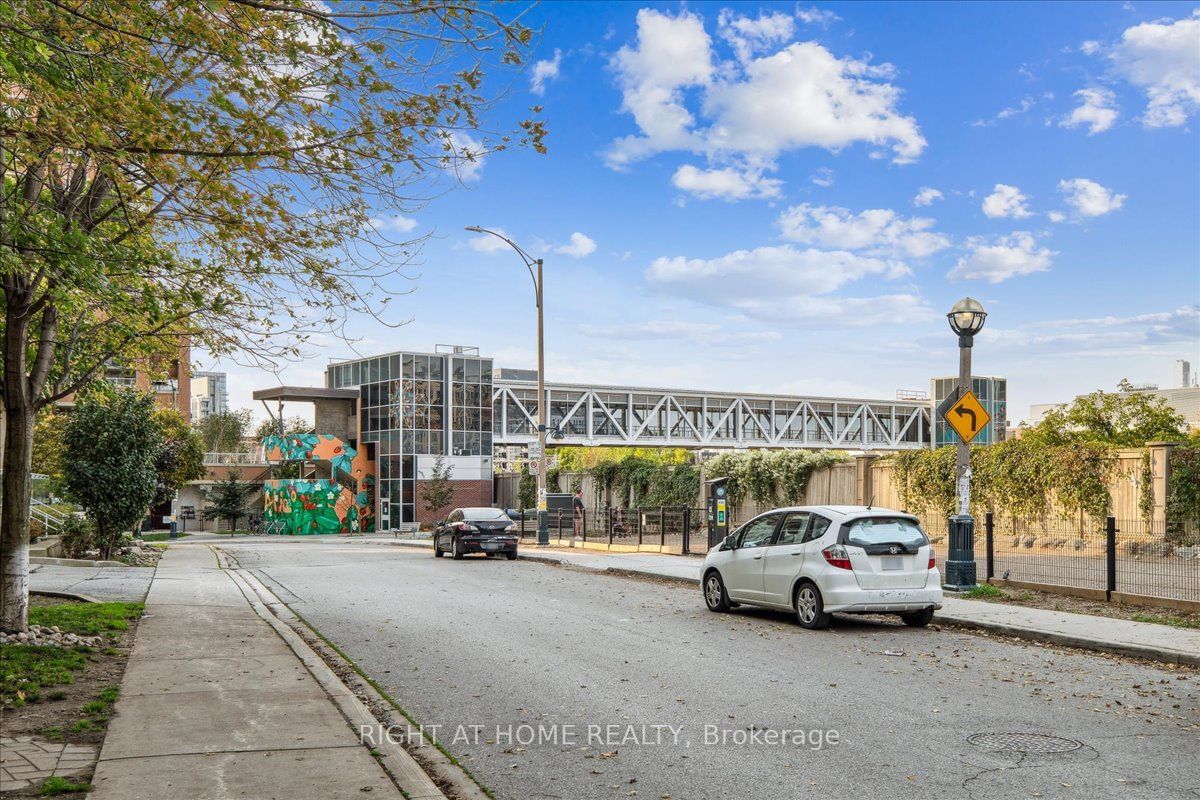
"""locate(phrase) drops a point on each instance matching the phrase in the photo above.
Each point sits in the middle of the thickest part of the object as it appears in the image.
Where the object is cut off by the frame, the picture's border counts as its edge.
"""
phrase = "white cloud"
(878, 231)
(744, 112)
(1006, 201)
(790, 285)
(1163, 58)
(1097, 110)
(1101, 336)
(751, 36)
(767, 271)
(823, 177)
(464, 155)
(672, 53)
(726, 183)
(816, 16)
(398, 223)
(486, 243)
(544, 71)
(843, 312)
(1004, 257)
(1057, 216)
(577, 246)
(805, 96)
(1090, 47)
(1088, 198)
(658, 329)
(926, 196)
(1005, 113)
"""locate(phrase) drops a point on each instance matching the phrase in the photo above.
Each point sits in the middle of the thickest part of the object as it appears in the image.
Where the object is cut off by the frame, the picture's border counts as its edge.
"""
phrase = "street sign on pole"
(535, 451)
(967, 417)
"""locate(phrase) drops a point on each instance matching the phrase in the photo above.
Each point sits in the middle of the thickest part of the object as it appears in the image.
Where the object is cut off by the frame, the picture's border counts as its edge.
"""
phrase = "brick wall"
(466, 494)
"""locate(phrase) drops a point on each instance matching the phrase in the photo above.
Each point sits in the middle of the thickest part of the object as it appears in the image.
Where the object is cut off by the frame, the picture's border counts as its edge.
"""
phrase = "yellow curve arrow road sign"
(967, 417)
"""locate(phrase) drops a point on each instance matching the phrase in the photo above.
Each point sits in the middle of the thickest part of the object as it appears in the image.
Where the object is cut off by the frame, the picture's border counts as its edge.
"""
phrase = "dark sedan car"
(475, 530)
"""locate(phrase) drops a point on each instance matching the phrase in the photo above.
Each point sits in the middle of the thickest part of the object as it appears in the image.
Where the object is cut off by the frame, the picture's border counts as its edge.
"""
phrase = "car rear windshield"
(480, 514)
(885, 530)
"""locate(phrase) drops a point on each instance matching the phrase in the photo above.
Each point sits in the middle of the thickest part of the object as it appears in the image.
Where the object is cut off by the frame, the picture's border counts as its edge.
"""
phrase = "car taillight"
(466, 526)
(932, 561)
(510, 529)
(837, 556)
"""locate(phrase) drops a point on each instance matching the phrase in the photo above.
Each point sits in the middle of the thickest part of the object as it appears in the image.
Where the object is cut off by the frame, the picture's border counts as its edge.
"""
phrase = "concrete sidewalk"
(214, 704)
(1125, 637)
(108, 584)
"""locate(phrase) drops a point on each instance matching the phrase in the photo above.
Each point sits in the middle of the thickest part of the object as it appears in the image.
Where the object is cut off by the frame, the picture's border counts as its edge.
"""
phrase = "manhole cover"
(1024, 742)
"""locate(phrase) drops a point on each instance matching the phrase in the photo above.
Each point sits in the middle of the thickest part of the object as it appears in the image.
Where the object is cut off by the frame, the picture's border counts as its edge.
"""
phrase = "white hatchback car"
(816, 560)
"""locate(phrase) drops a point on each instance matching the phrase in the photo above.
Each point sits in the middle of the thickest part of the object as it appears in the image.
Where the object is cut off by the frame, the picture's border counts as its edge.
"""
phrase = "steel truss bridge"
(646, 417)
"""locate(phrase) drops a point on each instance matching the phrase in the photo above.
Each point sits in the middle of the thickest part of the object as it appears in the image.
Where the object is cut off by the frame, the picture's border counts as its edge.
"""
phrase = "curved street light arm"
(528, 260)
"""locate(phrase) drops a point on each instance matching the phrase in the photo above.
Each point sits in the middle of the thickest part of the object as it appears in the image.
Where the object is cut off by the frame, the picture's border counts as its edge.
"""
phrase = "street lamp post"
(966, 319)
(543, 528)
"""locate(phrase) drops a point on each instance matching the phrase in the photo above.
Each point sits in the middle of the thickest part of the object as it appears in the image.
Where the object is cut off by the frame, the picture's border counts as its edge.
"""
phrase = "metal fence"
(672, 529)
(1105, 556)
(1134, 557)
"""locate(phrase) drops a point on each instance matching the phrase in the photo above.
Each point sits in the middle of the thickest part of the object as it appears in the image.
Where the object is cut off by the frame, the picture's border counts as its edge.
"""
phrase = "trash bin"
(173, 534)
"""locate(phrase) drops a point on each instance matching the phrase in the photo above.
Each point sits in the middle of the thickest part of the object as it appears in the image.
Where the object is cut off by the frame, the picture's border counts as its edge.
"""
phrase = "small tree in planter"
(111, 446)
(437, 493)
(229, 500)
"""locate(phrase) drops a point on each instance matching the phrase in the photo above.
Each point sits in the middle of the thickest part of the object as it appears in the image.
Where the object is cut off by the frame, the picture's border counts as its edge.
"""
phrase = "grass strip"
(87, 619)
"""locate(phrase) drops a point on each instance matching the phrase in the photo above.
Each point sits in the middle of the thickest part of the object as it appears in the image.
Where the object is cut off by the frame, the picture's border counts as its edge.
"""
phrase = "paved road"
(497, 644)
(110, 584)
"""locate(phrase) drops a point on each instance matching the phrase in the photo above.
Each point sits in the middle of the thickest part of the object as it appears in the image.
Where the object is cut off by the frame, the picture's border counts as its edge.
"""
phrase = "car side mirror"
(729, 542)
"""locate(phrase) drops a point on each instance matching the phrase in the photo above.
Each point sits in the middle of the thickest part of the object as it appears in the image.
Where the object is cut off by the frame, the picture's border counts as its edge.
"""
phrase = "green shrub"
(78, 535)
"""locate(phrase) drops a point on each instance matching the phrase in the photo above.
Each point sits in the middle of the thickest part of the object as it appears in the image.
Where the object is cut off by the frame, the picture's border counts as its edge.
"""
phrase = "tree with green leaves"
(212, 173)
(48, 443)
(228, 500)
(437, 493)
(181, 458)
(112, 443)
(527, 488)
(1124, 418)
(224, 431)
(291, 425)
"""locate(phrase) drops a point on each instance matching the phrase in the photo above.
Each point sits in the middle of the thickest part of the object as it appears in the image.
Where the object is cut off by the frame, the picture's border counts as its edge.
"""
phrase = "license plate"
(491, 546)
(892, 563)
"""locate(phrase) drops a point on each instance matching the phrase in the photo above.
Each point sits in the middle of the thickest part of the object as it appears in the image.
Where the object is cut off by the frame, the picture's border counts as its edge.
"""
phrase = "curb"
(401, 764)
(1076, 642)
(621, 572)
(410, 778)
(75, 562)
(83, 598)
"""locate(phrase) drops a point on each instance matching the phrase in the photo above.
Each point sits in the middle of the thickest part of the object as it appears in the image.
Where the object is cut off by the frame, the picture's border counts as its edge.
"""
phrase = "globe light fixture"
(966, 317)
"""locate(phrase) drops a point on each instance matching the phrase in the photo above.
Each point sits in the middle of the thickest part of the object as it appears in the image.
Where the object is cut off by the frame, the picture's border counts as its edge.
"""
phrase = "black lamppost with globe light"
(966, 319)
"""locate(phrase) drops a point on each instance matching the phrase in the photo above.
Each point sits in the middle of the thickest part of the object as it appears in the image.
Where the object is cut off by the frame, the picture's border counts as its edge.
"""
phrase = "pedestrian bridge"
(650, 417)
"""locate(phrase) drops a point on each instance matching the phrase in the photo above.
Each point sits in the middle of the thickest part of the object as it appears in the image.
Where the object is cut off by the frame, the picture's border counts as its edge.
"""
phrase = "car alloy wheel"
(714, 593)
(456, 551)
(809, 607)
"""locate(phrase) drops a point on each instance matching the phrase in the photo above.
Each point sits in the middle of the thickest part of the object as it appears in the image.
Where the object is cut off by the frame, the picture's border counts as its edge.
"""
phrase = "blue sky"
(788, 197)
